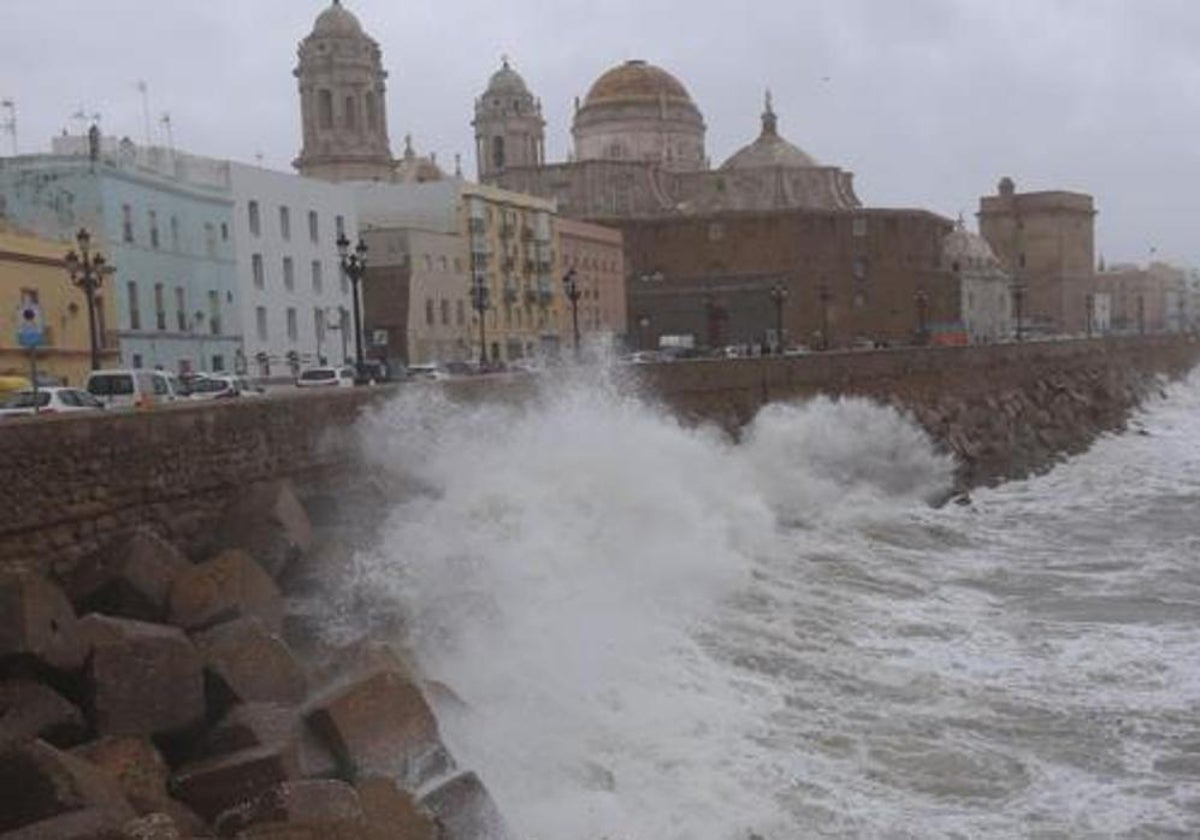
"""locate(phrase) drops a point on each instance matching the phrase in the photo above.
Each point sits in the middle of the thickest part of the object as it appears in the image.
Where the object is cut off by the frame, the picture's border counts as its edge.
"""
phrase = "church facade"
(639, 152)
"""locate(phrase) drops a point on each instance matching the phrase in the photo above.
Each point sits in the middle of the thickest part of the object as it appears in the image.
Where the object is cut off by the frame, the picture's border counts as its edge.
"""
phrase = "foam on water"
(660, 634)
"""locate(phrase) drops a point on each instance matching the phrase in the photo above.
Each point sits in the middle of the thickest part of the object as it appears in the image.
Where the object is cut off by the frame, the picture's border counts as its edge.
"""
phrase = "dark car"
(372, 372)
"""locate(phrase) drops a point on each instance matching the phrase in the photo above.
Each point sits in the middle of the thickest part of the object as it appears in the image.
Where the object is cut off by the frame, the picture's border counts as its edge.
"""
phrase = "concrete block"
(466, 810)
(295, 802)
(246, 663)
(388, 807)
(229, 586)
(41, 783)
(129, 578)
(263, 724)
(88, 824)
(38, 624)
(268, 521)
(143, 679)
(134, 765)
(29, 709)
(214, 785)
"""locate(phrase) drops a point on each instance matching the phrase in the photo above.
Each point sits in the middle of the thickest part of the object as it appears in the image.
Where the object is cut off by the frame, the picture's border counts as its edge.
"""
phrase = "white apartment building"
(296, 304)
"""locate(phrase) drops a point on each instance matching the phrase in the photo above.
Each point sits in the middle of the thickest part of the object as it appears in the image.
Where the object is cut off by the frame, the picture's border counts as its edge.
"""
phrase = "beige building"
(984, 288)
(597, 256)
(1046, 240)
(32, 271)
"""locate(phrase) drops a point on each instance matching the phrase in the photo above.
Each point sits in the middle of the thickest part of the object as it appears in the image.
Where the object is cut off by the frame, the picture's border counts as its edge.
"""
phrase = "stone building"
(597, 256)
(32, 271)
(864, 277)
(1046, 240)
(639, 152)
(984, 289)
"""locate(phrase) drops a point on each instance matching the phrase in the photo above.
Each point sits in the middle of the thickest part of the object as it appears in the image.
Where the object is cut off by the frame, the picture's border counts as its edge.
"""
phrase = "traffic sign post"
(29, 336)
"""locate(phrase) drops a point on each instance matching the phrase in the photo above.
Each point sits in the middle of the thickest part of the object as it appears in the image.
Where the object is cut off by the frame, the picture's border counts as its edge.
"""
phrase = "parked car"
(130, 388)
(10, 383)
(53, 400)
(215, 387)
(427, 371)
(326, 377)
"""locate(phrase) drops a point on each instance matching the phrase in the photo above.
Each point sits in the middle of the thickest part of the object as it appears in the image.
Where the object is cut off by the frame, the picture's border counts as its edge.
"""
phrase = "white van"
(130, 388)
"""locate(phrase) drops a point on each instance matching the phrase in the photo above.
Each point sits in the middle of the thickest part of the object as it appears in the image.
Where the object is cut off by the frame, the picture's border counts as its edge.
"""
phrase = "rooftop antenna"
(144, 90)
(166, 124)
(258, 157)
(9, 124)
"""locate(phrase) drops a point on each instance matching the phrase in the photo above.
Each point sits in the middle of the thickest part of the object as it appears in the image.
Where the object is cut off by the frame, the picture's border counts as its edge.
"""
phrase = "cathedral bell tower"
(509, 130)
(342, 101)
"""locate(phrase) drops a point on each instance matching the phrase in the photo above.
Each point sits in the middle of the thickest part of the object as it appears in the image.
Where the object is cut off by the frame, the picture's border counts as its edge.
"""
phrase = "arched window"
(324, 109)
(372, 116)
(498, 152)
(351, 113)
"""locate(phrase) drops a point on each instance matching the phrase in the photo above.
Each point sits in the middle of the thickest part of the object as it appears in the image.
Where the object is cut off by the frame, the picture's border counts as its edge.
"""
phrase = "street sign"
(29, 325)
(379, 338)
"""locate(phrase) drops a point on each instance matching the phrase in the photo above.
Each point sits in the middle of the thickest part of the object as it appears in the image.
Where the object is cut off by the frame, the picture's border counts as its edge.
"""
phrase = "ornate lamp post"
(354, 266)
(643, 327)
(779, 295)
(479, 302)
(1018, 291)
(921, 299)
(87, 271)
(571, 288)
(824, 296)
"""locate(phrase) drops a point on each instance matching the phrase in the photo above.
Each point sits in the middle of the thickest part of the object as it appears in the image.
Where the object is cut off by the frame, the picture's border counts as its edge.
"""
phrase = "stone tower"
(509, 130)
(342, 104)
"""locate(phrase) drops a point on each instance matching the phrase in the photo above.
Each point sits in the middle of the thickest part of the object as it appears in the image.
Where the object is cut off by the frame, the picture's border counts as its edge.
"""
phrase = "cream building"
(32, 271)
(596, 254)
(983, 286)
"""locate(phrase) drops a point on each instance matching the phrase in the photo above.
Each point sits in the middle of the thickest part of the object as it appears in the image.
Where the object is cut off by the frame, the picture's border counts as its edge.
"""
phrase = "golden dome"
(636, 81)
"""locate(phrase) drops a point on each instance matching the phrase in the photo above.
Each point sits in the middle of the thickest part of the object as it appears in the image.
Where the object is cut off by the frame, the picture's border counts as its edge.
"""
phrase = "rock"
(134, 765)
(38, 624)
(295, 802)
(212, 786)
(154, 827)
(40, 783)
(88, 824)
(466, 810)
(30, 709)
(380, 725)
(245, 663)
(359, 659)
(386, 806)
(143, 679)
(229, 586)
(321, 830)
(269, 522)
(130, 578)
(262, 724)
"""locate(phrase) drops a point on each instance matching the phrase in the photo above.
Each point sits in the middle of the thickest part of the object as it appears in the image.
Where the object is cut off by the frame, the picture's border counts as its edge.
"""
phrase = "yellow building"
(511, 238)
(32, 271)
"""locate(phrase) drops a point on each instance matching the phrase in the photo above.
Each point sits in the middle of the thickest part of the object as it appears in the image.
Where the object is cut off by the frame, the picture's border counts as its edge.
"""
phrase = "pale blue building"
(164, 221)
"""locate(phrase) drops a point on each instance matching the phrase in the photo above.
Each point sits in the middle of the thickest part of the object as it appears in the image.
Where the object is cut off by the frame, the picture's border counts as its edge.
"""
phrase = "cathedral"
(639, 153)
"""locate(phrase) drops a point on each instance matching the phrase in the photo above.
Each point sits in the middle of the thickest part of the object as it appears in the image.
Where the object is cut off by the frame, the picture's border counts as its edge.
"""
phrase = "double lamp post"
(354, 266)
(87, 271)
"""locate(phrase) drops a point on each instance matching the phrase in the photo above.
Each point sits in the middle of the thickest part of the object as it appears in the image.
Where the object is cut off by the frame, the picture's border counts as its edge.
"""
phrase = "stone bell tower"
(509, 130)
(343, 109)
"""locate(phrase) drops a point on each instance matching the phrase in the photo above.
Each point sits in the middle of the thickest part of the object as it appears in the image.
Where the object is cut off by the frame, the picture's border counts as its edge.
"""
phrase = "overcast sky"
(928, 102)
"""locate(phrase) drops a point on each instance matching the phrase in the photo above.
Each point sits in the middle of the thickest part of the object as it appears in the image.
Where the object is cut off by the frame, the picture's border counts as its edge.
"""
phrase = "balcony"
(510, 294)
(526, 234)
(476, 225)
(506, 231)
(531, 297)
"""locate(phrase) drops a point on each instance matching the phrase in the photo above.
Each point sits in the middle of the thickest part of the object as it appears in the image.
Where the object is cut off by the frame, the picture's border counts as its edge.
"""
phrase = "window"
(443, 264)
(160, 307)
(218, 364)
(135, 317)
(256, 270)
(260, 316)
(285, 223)
(429, 312)
(317, 280)
(460, 315)
(319, 327)
(351, 113)
(428, 263)
(153, 217)
(137, 361)
(498, 152)
(174, 233)
(255, 221)
(445, 312)
(859, 228)
(289, 274)
(458, 265)
(345, 284)
(214, 313)
(126, 223)
(339, 226)
(210, 239)
(180, 310)
(860, 268)
(325, 109)
(314, 228)
(292, 330)
(372, 116)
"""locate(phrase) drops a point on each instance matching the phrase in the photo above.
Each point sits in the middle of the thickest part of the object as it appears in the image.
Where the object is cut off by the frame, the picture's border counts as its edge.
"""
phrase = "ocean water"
(657, 633)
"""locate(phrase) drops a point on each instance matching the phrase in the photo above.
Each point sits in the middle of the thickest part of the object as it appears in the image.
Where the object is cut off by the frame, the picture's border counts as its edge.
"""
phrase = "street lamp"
(1089, 303)
(921, 298)
(824, 295)
(1018, 291)
(779, 295)
(571, 287)
(354, 266)
(479, 302)
(643, 326)
(87, 271)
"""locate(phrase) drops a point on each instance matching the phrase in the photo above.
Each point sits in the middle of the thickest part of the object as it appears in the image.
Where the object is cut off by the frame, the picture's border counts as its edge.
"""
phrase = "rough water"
(657, 633)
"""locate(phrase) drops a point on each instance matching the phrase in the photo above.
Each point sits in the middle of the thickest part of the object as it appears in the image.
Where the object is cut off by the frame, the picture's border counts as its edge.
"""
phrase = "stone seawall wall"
(70, 484)
(1004, 410)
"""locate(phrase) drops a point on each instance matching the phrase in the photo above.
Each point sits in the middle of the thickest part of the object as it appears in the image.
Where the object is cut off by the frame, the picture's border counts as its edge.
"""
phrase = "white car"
(131, 388)
(326, 377)
(49, 401)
